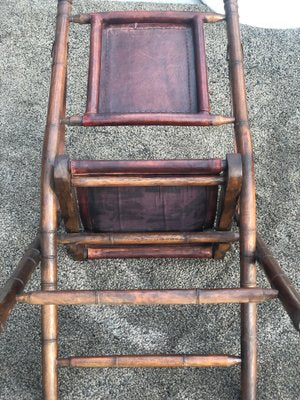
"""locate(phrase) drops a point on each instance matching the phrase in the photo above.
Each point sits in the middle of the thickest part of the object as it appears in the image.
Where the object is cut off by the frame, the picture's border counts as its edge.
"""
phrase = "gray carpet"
(273, 81)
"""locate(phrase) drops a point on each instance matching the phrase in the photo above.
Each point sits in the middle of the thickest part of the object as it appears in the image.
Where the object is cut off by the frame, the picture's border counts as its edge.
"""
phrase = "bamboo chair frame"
(59, 173)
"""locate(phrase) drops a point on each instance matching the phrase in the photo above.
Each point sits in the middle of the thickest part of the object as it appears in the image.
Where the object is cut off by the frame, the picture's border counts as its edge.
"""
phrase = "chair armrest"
(18, 280)
(287, 293)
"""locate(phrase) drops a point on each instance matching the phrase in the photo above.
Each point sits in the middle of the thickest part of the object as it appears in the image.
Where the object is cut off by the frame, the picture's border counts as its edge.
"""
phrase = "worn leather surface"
(144, 209)
(148, 68)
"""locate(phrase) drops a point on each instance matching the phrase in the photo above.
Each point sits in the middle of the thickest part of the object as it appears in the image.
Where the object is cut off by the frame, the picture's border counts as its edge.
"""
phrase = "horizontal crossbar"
(155, 16)
(113, 181)
(150, 251)
(201, 119)
(148, 167)
(148, 238)
(150, 361)
(144, 297)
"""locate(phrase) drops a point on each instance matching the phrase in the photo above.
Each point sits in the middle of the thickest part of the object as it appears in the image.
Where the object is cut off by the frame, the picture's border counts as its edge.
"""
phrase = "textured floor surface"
(273, 81)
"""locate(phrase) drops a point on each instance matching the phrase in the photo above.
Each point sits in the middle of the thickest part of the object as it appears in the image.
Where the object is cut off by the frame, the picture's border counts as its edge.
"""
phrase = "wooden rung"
(207, 17)
(148, 238)
(139, 297)
(147, 251)
(150, 361)
(200, 119)
(113, 181)
(176, 119)
(148, 167)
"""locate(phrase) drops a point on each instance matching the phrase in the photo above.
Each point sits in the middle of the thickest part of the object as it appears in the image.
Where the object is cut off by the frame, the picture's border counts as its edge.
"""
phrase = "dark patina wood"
(147, 167)
(66, 194)
(150, 251)
(228, 200)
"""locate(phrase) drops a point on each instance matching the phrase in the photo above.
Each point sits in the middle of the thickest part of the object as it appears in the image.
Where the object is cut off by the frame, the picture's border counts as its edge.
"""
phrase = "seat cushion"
(145, 209)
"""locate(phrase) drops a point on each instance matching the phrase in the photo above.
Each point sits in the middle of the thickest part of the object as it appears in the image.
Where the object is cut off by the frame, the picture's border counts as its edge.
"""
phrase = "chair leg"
(49, 312)
(49, 352)
(53, 144)
(248, 351)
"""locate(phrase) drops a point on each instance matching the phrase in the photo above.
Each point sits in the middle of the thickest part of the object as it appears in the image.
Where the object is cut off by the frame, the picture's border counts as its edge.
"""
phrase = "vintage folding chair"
(165, 208)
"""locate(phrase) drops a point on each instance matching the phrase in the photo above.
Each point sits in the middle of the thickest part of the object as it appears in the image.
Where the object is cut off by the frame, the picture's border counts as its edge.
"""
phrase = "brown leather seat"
(138, 209)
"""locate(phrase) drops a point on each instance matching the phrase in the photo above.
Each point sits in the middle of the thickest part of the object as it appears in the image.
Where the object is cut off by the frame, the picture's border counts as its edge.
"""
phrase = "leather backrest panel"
(148, 68)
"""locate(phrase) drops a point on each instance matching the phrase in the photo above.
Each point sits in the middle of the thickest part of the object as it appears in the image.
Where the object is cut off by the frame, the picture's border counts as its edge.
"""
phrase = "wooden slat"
(147, 238)
(228, 200)
(66, 194)
(150, 361)
(17, 281)
(138, 297)
(114, 181)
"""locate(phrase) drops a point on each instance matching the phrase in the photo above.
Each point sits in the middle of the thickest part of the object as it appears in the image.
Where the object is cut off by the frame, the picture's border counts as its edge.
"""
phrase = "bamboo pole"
(287, 293)
(147, 238)
(17, 281)
(138, 297)
(164, 17)
(176, 119)
(150, 361)
(117, 181)
(48, 223)
(247, 200)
